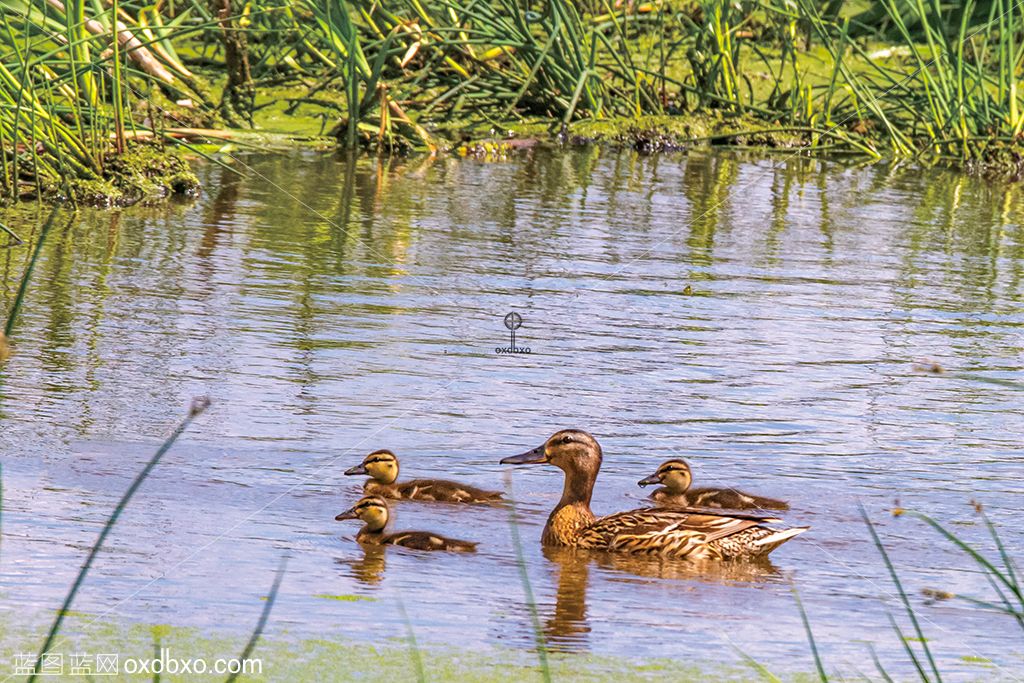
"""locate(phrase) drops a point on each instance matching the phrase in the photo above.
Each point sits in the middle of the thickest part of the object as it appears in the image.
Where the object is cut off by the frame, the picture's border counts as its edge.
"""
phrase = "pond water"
(759, 317)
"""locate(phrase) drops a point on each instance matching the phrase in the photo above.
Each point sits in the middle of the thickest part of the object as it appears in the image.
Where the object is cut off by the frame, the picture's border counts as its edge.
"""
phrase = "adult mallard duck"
(675, 478)
(382, 468)
(374, 513)
(677, 532)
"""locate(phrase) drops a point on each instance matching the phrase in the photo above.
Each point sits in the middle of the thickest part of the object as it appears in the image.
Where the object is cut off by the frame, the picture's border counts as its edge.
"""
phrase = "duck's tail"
(461, 546)
(778, 537)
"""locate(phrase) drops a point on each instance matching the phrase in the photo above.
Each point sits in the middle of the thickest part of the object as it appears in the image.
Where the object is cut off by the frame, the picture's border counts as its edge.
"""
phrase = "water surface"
(757, 316)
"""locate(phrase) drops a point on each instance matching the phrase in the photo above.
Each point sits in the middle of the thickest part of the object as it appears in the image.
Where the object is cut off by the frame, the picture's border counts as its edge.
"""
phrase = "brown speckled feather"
(730, 499)
(416, 540)
(674, 532)
(437, 490)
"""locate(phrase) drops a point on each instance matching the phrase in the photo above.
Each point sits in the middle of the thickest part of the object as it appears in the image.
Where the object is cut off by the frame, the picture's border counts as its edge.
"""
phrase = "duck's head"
(371, 510)
(382, 465)
(571, 450)
(672, 474)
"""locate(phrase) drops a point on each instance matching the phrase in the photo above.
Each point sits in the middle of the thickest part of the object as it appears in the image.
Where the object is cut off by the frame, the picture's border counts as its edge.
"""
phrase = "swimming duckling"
(675, 477)
(675, 532)
(382, 467)
(373, 512)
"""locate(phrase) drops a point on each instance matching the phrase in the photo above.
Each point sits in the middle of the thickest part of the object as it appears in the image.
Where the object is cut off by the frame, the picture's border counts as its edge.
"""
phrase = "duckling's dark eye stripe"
(370, 462)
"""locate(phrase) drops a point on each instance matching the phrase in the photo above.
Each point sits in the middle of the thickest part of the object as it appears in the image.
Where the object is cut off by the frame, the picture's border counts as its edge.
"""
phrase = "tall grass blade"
(414, 649)
(12, 316)
(810, 636)
(262, 623)
(531, 603)
(757, 666)
(903, 598)
(14, 236)
(198, 406)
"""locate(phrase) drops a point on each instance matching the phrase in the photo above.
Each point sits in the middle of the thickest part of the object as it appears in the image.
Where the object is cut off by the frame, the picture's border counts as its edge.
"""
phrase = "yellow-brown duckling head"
(672, 474)
(382, 465)
(371, 510)
(574, 451)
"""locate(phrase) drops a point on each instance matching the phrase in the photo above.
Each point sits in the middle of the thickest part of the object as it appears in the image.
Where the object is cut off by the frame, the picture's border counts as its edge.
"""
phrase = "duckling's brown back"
(424, 540)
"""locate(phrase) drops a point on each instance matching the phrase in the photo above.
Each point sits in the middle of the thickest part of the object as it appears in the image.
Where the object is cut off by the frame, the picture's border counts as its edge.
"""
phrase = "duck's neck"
(375, 487)
(578, 489)
(572, 514)
(370, 536)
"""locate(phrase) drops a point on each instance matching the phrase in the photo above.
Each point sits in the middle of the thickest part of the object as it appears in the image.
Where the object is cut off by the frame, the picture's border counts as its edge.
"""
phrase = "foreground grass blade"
(12, 316)
(262, 623)
(903, 598)
(14, 235)
(538, 632)
(198, 406)
(810, 636)
(414, 648)
(757, 666)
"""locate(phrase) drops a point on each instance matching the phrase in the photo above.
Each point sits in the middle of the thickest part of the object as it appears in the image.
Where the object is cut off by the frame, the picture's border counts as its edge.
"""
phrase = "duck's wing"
(733, 499)
(444, 491)
(675, 531)
(424, 540)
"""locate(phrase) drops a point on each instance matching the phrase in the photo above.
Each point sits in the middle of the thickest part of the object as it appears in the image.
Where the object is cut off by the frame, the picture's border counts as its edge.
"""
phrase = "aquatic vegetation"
(1004, 581)
(930, 81)
(77, 89)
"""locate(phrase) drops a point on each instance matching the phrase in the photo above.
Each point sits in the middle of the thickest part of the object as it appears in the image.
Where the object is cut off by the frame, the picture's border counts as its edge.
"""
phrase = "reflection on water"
(566, 627)
(757, 317)
(368, 569)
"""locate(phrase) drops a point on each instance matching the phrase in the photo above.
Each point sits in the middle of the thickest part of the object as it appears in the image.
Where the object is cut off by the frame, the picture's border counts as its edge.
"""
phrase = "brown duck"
(675, 478)
(676, 532)
(374, 513)
(382, 468)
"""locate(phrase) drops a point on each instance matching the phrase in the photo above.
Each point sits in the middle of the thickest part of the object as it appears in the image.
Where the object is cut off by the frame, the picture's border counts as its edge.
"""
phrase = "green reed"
(1001, 571)
(524, 576)
(199, 405)
(257, 632)
(907, 607)
(1004, 580)
(402, 66)
(810, 636)
(414, 648)
(19, 298)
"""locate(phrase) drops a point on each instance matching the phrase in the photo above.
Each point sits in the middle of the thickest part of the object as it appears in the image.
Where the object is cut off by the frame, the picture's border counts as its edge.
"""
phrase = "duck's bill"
(528, 458)
(347, 514)
(649, 481)
(358, 469)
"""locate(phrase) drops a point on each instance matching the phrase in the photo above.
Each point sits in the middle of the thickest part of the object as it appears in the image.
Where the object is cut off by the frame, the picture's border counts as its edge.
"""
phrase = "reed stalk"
(257, 632)
(524, 576)
(199, 405)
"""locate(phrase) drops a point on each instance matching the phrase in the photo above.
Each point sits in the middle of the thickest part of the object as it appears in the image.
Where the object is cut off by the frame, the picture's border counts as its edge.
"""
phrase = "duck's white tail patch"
(781, 536)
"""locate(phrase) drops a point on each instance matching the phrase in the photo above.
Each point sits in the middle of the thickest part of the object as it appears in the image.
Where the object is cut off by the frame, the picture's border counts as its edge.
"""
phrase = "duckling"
(676, 478)
(673, 532)
(374, 513)
(382, 467)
